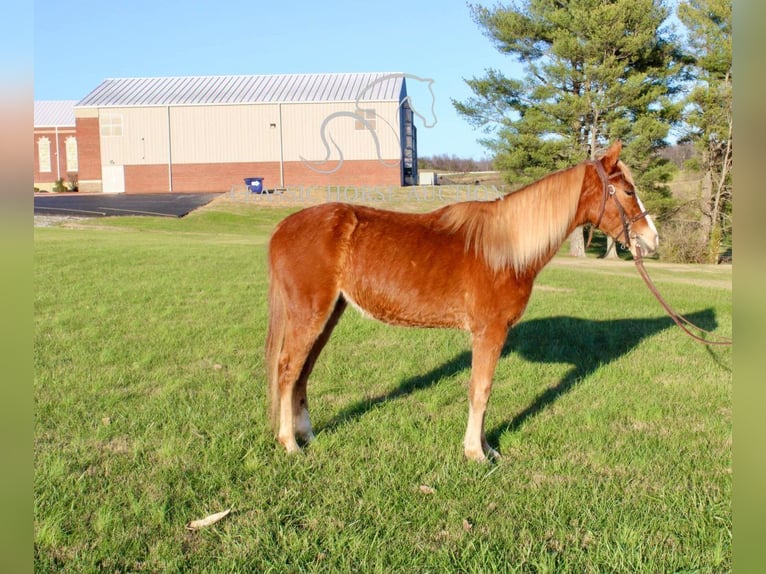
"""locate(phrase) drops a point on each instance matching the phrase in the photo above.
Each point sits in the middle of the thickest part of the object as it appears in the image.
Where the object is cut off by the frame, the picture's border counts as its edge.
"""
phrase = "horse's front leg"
(487, 346)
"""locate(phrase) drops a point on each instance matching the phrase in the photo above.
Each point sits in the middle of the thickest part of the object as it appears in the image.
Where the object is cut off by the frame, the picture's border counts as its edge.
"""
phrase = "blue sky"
(78, 43)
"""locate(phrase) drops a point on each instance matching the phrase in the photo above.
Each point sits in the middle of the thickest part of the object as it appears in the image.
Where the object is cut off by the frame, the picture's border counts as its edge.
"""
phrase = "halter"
(611, 191)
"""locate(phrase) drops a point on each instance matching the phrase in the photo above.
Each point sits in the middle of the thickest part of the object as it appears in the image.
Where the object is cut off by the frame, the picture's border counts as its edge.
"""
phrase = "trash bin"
(254, 184)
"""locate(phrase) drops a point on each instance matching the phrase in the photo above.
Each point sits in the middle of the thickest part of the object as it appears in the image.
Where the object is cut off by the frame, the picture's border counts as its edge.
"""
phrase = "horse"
(469, 265)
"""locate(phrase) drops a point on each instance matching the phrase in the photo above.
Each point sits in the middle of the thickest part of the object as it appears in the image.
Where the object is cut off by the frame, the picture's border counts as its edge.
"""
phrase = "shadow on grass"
(585, 344)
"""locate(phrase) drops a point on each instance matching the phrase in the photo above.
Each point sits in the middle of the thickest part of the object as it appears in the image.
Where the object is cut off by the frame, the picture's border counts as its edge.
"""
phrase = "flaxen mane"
(519, 230)
(626, 173)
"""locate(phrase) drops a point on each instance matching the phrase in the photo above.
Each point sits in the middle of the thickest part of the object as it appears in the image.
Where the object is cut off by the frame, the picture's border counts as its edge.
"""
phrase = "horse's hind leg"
(299, 339)
(303, 428)
(299, 352)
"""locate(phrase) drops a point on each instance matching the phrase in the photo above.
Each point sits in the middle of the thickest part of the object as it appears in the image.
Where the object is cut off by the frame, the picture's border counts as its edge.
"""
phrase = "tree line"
(454, 163)
(600, 70)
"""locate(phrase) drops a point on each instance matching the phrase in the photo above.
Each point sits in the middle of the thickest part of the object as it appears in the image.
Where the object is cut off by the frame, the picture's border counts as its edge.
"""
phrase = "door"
(113, 178)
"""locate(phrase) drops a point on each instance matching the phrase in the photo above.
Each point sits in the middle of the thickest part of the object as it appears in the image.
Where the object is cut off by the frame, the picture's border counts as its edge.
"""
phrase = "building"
(209, 133)
(56, 153)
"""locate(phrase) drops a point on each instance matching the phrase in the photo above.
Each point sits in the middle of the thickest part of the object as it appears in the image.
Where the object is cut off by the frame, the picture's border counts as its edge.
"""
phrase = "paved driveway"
(101, 205)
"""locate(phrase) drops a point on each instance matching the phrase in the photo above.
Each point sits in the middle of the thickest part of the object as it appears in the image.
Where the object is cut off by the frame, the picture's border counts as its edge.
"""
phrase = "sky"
(79, 43)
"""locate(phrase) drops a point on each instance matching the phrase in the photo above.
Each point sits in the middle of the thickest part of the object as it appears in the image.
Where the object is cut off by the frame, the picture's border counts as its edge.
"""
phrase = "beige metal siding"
(303, 137)
(249, 133)
(143, 139)
(222, 134)
(86, 112)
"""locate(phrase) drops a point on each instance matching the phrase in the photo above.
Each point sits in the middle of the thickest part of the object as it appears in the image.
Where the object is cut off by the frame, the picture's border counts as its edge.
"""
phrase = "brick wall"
(89, 146)
(58, 162)
(147, 178)
(357, 172)
(222, 177)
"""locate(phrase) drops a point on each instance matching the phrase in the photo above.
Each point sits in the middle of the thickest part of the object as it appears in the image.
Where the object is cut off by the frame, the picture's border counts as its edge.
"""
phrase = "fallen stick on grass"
(207, 521)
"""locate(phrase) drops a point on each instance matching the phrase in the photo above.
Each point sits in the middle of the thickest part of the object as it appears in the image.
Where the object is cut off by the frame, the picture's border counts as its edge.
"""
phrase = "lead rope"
(678, 319)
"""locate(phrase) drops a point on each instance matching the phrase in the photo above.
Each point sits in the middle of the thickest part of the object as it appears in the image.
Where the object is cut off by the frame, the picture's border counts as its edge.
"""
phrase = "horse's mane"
(519, 230)
(626, 173)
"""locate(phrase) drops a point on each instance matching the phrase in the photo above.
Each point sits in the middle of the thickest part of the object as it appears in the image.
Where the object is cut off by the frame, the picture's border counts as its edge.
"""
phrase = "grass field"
(150, 412)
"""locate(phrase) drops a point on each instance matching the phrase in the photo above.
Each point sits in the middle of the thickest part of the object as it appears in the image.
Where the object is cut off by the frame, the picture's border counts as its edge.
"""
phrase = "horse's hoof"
(291, 446)
(488, 454)
(476, 456)
(492, 454)
(306, 438)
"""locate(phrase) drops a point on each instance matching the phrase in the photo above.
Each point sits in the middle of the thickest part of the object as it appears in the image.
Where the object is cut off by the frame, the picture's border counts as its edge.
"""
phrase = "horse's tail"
(274, 340)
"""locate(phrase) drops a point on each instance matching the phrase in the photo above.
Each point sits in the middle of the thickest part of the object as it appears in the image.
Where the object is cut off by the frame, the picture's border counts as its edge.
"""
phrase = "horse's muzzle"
(648, 241)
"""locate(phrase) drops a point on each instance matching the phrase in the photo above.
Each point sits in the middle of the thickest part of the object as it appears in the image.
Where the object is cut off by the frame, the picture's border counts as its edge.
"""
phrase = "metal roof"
(54, 113)
(201, 90)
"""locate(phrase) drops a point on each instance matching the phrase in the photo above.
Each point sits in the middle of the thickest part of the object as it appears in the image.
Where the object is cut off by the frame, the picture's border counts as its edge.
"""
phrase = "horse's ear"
(611, 156)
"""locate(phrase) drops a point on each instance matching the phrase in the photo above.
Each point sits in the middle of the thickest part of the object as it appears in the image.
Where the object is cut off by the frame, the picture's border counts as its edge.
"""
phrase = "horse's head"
(617, 209)
(430, 99)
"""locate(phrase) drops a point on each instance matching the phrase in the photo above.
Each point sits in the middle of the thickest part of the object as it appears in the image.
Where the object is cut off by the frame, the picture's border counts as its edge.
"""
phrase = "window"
(44, 154)
(111, 125)
(368, 115)
(71, 154)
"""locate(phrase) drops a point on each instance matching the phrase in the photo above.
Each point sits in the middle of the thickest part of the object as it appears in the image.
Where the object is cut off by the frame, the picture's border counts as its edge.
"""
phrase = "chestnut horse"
(467, 265)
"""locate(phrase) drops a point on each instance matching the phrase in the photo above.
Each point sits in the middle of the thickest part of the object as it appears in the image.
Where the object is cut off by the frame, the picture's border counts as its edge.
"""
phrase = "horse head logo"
(364, 116)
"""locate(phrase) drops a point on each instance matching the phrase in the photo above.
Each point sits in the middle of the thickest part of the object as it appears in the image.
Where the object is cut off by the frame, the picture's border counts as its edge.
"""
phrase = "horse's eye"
(630, 192)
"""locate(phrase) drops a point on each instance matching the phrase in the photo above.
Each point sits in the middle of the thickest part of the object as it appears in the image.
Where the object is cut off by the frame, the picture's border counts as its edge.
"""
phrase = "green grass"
(150, 412)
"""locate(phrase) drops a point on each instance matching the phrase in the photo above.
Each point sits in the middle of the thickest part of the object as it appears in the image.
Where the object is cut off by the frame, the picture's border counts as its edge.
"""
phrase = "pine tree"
(595, 71)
